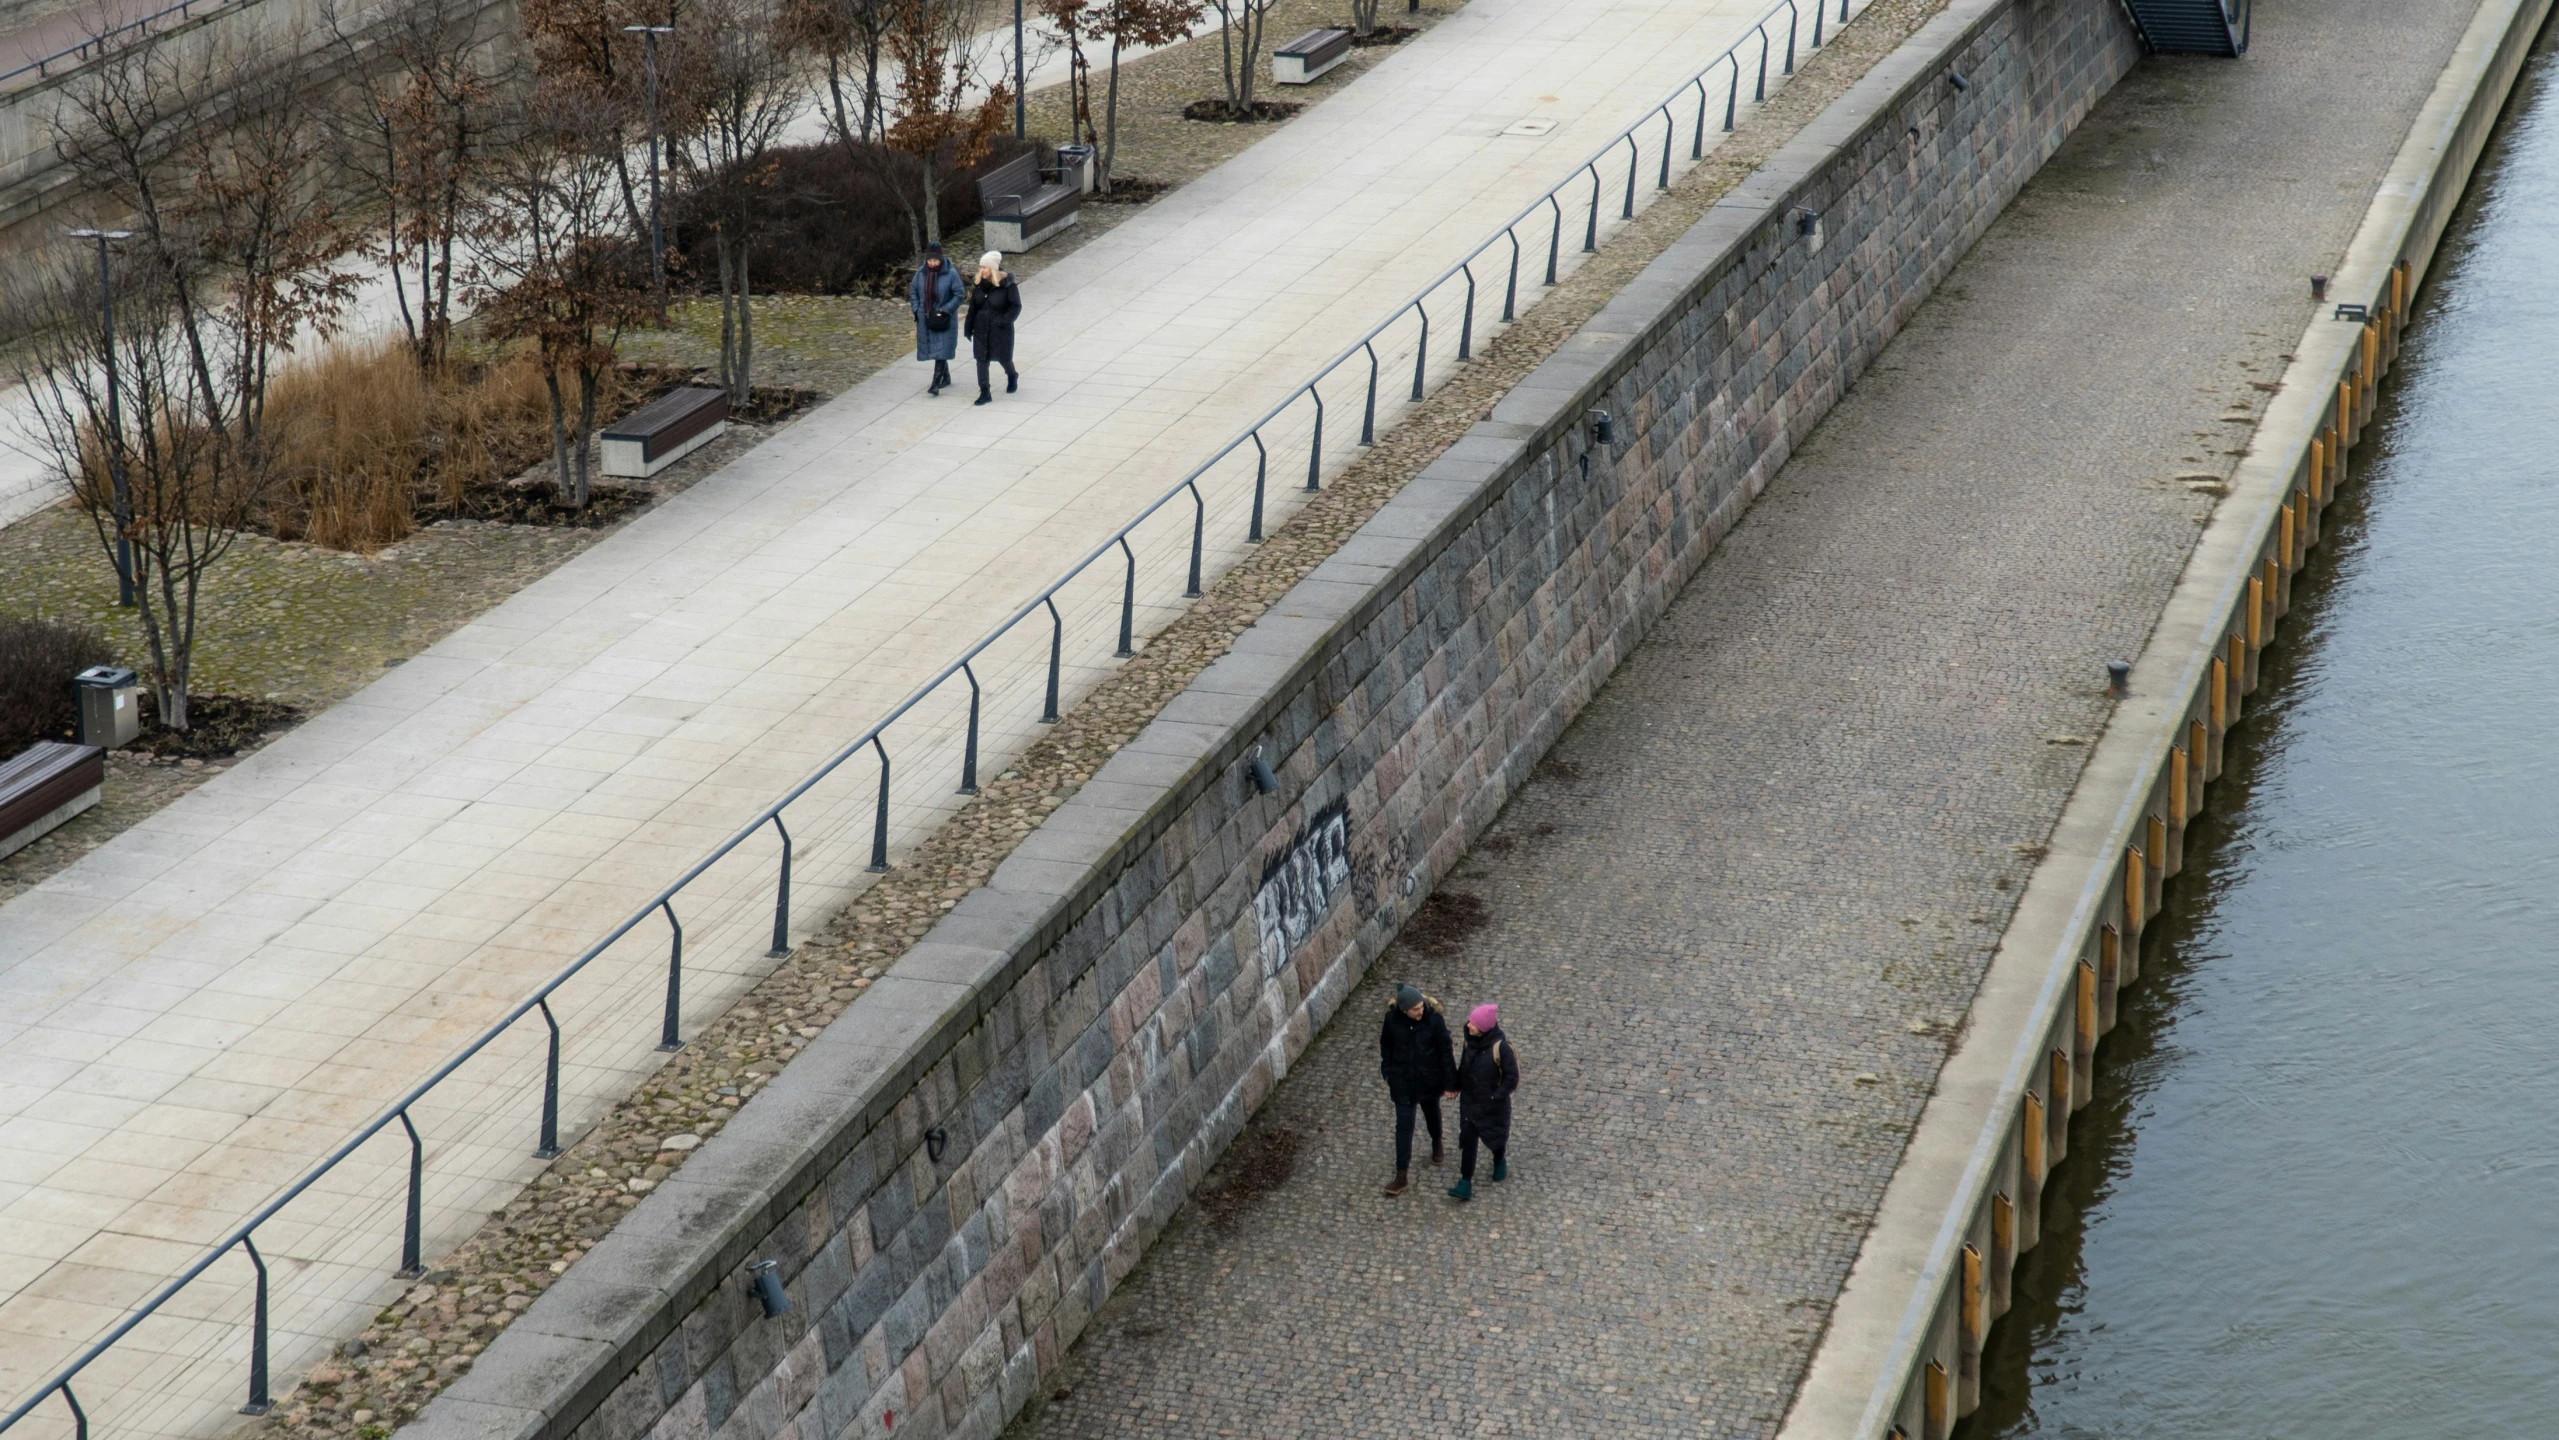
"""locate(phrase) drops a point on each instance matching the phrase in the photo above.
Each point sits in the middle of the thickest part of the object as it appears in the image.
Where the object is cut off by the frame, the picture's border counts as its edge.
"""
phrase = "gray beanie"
(1406, 997)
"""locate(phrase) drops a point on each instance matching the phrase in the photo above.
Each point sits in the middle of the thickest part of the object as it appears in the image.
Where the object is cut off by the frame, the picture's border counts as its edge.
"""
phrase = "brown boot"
(1401, 1184)
(1435, 1152)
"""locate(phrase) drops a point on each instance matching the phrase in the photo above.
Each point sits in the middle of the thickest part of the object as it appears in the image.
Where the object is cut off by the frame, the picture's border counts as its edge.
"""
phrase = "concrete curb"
(1901, 1355)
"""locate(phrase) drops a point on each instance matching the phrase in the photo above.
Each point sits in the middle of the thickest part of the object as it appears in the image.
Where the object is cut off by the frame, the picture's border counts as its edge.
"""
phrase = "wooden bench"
(664, 431)
(1309, 55)
(45, 785)
(1021, 209)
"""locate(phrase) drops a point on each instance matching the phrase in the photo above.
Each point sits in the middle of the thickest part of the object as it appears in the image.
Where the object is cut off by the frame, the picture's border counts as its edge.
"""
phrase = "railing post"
(1697, 146)
(1732, 97)
(1128, 605)
(667, 1038)
(1466, 322)
(968, 754)
(549, 1148)
(1261, 472)
(782, 888)
(1590, 237)
(1670, 133)
(412, 1234)
(1791, 18)
(259, 1401)
(1422, 351)
(1554, 242)
(1315, 447)
(1057, 639)
(1818, 10)
(79, 1417)
(1199, 532)
(1510, 287)
(880, 817)
(1760, 95)
(1368, 415)
(1634, 155)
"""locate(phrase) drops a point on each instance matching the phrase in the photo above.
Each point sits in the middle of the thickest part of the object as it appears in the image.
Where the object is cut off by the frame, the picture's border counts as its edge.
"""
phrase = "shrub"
(832, 225)
(37, 660)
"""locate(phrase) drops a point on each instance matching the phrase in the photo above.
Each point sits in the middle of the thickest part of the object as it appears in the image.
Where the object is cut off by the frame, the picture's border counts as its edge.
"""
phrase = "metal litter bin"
(1075, 167)
(110, 706)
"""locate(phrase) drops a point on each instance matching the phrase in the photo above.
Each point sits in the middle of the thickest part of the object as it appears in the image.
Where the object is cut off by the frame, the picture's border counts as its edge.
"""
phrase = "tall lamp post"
(657, 209)
(1018, 127)
(115, 414)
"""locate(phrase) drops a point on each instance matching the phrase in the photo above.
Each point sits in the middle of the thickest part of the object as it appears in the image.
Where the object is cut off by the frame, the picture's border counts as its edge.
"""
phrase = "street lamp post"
(1019, 130)
(115, 414)
(657, 210)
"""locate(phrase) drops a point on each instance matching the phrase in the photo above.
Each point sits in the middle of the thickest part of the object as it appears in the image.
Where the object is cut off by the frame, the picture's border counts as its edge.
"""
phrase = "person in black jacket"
(1487, 1073)
(995, 302)
(1412, 1053)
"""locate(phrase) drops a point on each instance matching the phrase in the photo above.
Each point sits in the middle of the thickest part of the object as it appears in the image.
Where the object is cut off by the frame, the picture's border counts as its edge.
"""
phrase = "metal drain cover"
(1530, 127)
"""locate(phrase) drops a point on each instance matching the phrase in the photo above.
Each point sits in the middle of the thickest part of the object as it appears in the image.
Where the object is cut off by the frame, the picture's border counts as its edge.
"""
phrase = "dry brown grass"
(365, 443)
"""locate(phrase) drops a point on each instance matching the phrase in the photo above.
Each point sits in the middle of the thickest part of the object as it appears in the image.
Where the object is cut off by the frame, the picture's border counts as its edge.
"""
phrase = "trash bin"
(110, 706)
(1075, 167)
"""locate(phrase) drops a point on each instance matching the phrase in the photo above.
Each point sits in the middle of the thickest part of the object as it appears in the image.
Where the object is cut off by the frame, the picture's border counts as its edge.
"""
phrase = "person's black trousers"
(982, 363)
(1404, 1108)
(1494, 1135)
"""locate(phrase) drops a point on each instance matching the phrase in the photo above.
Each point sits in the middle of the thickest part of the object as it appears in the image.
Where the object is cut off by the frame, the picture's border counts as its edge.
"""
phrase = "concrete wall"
(37, 188)
(1902, 1355)
(956, 1173)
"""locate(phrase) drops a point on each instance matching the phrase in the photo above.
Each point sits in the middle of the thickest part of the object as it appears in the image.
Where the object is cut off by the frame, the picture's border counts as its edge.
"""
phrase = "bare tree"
(415, 131)
(851, 37)
(555, 268)
(742, 90)
(939, 63)
(216, 161)
(1240, 27)
(581, 42)
(147, 461)
(1073, 23)
(1138, 22)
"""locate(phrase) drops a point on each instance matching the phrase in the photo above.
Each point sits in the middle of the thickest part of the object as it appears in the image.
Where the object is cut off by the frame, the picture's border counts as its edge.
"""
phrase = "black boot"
(1012, 381)
(984, 398)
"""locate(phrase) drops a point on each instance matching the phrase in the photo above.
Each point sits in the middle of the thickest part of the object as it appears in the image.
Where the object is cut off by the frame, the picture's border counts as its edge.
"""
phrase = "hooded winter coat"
(992, 310)
(935, 292)
(1487, 1073)
(1413, 1054)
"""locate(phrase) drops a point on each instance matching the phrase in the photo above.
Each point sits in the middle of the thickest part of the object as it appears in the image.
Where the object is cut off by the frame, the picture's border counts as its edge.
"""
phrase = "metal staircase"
(2192, 27)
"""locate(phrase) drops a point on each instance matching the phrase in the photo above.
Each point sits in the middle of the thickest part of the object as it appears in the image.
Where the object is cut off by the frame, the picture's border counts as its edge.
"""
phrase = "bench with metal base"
(45, 785)
(1300, 60)
(664, 431)
(1021, 209)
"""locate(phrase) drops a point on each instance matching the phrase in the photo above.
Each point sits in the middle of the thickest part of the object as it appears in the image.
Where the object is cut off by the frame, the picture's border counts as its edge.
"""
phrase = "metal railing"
(108, 41)
(1763, 48)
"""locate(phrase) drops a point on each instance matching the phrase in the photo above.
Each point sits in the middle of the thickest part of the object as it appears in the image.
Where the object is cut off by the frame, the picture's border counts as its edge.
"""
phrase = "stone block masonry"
(956, 1174)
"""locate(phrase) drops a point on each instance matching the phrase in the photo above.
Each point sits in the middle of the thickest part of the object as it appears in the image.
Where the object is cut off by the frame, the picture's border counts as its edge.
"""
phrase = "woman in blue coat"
(934, 295)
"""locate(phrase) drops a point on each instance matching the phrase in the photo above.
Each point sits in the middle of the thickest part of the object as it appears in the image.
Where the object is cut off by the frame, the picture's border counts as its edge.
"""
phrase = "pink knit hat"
(1484, 1018)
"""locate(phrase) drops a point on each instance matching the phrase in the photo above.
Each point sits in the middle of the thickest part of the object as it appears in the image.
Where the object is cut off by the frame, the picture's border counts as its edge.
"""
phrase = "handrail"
(873, 737)
(106, 41)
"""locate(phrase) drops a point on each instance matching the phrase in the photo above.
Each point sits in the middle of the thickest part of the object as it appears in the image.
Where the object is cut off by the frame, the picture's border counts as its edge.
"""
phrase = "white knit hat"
(991, 260)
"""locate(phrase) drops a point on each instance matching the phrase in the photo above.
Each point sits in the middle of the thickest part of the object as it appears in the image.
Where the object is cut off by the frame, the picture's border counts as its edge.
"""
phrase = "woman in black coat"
(1412, 1053)
(1487, 1073)
(994, 303)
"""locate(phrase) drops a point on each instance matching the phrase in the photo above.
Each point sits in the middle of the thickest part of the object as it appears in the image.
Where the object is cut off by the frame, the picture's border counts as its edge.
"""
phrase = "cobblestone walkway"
(1737, 914)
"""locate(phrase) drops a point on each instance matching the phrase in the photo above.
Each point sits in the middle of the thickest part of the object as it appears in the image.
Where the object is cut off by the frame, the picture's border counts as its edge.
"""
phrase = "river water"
(2317, 1193)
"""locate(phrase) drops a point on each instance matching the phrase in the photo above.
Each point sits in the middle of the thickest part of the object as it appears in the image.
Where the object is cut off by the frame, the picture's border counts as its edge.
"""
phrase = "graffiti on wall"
(1301, 885)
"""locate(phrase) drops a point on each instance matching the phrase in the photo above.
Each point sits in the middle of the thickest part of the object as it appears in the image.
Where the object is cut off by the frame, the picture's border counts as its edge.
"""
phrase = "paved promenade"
(1735, 915)
(209, 1002)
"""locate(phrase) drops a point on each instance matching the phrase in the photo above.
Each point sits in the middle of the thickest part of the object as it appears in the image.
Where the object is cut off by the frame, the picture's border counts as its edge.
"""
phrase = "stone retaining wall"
(955, 1174)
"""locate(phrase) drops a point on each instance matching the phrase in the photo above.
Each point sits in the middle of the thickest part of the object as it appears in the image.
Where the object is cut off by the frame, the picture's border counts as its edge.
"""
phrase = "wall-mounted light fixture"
(1259, 771)
(1603, 431)
(936, 1140)
(1956, 79)
(1808, 226)
(768, 1287)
